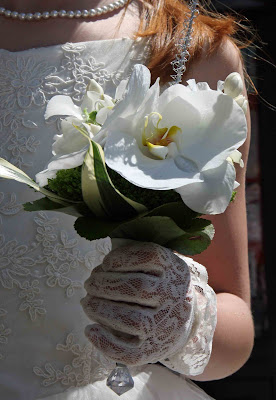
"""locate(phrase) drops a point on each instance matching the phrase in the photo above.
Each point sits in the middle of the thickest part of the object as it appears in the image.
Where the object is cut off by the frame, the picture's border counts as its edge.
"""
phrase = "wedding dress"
(43, 262)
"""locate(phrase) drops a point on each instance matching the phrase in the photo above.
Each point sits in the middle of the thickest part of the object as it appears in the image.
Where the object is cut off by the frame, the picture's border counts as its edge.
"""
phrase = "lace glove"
(144, 299)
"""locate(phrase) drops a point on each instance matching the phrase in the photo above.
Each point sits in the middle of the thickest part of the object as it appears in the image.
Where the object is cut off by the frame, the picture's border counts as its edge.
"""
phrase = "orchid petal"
(62, 105)
(93, 86)
(160, 152)
(70, 140)
(213, 194)
(171, 93)
(107, 101)
(91, 129)
(120, 90)
(102, 115)
(220, 86)
(194, 87)
(89, 101)
(149, 103)
(212, 125)
(66, 161)
(137, 89)
(202, 86)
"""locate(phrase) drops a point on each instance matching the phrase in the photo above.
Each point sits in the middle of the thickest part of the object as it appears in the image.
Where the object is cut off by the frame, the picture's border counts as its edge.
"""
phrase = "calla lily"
(69, 147)
(178, 140)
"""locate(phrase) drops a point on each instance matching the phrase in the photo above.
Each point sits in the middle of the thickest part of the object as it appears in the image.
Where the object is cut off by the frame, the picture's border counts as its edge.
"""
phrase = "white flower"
(233, 87)
(70, 147)
(236, 157)
(242, 102)
(178, 140)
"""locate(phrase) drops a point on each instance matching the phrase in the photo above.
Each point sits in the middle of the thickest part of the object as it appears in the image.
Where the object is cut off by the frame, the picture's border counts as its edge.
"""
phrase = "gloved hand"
(142, 298)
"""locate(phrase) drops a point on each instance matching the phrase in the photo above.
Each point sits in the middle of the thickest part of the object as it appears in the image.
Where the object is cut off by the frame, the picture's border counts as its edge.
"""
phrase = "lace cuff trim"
(193, 358)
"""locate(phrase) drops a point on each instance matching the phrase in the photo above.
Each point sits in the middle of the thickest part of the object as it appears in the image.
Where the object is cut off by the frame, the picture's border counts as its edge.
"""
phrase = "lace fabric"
(43, 263)
(192, 358)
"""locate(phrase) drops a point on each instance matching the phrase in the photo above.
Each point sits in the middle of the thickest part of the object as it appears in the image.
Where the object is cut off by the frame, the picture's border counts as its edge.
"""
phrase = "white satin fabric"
(44, 353)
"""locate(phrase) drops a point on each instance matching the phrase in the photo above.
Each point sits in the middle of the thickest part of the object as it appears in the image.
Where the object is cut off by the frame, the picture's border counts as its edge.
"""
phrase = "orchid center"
(159, 141)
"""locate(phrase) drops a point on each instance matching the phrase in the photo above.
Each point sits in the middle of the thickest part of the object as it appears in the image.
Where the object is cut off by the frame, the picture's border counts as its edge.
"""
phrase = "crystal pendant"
(120, 380)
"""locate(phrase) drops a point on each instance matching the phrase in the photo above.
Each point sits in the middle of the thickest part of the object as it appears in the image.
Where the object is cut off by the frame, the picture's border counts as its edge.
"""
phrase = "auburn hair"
(163, 21)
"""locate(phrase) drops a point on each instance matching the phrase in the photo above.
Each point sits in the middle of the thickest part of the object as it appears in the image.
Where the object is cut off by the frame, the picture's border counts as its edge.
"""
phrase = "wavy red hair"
(163, 20)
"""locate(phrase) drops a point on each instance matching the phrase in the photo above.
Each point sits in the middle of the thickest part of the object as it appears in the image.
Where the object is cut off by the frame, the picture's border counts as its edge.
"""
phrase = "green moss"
(150, 198)
(67, 184)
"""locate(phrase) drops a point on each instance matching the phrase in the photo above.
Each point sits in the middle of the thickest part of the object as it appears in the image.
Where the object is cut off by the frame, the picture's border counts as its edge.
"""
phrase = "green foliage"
(92, 228)
(149, 198)
(99, 192)
(172, 225)
(195, 240)
(233, 197)
(90, 117)
(75, 209)
(67, 184)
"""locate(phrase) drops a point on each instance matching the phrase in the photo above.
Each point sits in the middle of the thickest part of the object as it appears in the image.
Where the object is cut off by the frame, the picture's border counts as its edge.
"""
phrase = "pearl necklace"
(63, 13)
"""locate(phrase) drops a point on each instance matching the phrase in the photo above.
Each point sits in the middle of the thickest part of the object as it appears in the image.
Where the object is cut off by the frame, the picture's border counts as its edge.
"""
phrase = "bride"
(44, 347)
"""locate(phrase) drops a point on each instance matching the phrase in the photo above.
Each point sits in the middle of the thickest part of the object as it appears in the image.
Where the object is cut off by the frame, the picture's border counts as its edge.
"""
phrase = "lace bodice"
(43, 263)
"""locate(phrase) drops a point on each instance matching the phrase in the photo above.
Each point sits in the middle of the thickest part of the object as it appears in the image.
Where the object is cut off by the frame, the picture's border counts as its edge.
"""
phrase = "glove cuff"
(192, 359)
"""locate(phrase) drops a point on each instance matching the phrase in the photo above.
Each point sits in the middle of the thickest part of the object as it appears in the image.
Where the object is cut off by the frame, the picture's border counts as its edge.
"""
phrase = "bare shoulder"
(211, 67)
(226, 259)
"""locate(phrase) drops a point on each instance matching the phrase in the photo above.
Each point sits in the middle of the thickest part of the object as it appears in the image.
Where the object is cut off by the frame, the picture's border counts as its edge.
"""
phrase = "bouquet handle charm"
(120, 379)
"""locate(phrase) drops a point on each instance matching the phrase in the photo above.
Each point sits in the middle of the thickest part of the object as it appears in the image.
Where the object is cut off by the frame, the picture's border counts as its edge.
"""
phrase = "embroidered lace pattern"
(78, 372)
(27, 82)
(4, 332)
(8, 205)
(43, 263)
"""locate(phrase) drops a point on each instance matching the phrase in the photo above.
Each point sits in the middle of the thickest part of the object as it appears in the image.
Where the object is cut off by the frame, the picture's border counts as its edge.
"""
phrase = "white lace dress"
(43, 263)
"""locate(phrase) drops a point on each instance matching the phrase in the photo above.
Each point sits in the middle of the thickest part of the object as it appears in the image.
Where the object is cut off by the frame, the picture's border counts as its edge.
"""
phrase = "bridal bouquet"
(144, 166)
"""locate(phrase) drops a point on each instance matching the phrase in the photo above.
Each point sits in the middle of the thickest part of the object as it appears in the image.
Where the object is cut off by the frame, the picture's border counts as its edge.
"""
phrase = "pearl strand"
(63, 13)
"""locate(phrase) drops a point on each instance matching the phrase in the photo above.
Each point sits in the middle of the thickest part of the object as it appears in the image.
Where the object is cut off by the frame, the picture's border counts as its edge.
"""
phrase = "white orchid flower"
(70, 146)
(178, 140)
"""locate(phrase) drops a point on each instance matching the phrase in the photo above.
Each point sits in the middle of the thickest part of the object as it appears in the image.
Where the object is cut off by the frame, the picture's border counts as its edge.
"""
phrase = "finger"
(123, 349)
(125, 318)
(118, 348)
(141, 257)
(136, 288)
